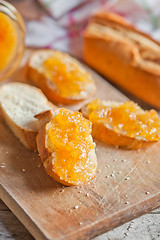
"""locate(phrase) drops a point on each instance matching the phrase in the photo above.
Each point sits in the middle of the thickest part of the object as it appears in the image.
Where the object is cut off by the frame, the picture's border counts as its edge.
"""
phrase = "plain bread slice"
(19, 103)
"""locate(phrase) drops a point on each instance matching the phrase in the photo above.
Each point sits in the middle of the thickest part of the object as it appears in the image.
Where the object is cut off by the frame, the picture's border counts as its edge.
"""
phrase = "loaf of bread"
(19, 103)
(125, 55)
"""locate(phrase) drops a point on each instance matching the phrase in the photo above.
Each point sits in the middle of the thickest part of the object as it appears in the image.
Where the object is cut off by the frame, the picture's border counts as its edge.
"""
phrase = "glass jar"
(12, 37)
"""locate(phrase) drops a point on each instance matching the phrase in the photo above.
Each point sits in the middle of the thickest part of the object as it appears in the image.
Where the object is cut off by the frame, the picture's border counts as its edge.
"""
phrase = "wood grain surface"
(127, 185)
(146, 227)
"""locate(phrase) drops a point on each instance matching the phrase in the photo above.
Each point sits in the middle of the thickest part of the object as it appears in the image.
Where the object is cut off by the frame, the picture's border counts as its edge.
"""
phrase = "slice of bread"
(105, 132)
(70, 160)
(19, 103)
(43, 79)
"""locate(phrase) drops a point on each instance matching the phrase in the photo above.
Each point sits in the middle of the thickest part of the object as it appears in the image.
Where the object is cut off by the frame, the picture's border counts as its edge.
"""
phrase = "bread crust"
(42, 148)
(105, 17)
(45, 117)
(39, 79)
(139, 77)
(101, 132)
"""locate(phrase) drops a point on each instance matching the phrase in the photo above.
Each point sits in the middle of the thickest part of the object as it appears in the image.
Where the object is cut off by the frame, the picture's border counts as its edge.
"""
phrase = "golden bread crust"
(105, 17)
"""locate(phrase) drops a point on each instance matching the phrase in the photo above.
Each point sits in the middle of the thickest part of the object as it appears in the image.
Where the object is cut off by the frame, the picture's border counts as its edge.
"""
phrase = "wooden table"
(146, 227)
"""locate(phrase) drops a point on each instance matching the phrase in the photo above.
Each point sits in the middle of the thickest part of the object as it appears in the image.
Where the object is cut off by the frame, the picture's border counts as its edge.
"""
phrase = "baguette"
(102, 115)
(125, 55)
(19, 103)
(66, 81)
(66, 147)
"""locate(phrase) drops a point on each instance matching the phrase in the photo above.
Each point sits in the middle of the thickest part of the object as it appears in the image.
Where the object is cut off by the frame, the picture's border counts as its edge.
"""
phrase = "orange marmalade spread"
(8, 40)
(69, 138)
(126, 118)
(70, 77)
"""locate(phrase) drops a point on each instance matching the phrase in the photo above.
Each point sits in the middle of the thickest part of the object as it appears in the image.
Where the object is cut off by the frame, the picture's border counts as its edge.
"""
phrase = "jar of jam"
(12, 37)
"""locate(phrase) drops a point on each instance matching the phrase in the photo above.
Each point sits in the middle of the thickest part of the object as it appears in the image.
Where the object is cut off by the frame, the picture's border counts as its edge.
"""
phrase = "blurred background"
(59, 24)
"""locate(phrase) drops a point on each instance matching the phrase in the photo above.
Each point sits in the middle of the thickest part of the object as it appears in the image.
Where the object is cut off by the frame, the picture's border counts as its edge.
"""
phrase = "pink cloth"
(64, 29)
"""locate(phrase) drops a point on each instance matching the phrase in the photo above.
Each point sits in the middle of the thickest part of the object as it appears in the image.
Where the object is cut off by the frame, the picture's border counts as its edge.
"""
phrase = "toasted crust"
(47, 156)
(43, 150)
(105, 134)
(41, 81)
(112, 41)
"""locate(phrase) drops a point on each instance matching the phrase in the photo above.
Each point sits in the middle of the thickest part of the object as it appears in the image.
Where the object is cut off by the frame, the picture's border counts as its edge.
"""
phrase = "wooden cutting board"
(127, 185)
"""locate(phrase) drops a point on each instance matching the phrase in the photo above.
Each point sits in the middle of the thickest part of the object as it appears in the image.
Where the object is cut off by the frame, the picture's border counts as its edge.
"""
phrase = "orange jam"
(70, 77)
(69, 138)
(126, 118)
(8, 40)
